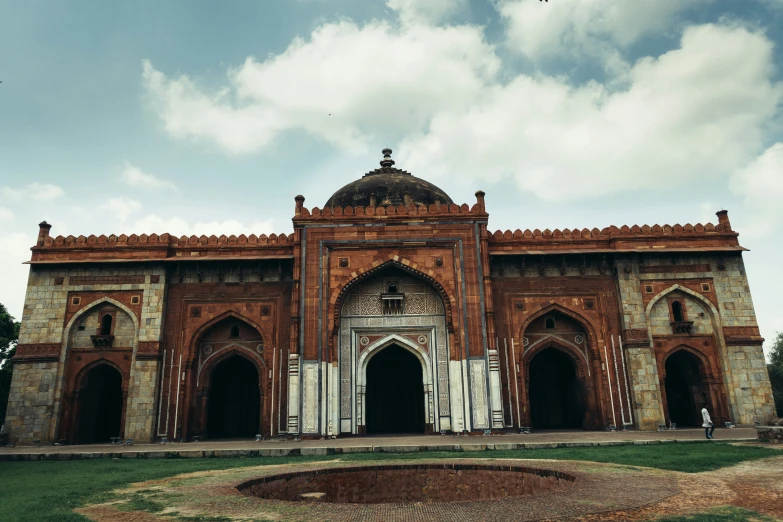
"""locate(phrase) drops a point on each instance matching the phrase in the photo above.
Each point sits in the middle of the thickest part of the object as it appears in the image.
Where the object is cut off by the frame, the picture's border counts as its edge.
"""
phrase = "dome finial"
(387, 162)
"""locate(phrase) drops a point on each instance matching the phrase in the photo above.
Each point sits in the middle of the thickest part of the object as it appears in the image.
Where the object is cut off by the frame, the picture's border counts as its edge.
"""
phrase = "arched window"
(677, 311)
(550, 323)
(106, 324)
(234, 331)
(392, 288)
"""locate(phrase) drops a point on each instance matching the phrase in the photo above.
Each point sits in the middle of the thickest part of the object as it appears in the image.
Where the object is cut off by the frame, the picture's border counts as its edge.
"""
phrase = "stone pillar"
(645, 387)
(293, 394)
(495, 392)
(478, 388)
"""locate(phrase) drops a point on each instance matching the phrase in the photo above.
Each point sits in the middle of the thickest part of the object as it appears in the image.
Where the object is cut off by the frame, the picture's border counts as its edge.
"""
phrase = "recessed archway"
(100, 405)
(234, 404)
(556, 395)
(395, 392)
(686, 391)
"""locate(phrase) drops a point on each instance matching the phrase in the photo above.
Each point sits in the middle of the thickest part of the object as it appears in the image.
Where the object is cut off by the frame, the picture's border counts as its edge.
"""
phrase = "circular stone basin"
(406, 483)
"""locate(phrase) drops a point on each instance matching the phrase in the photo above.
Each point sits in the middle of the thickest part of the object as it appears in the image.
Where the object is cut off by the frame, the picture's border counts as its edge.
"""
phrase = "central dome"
(388, 186)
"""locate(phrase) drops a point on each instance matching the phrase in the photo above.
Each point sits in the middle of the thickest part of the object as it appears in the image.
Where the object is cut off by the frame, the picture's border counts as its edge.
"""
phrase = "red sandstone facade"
(282, 334)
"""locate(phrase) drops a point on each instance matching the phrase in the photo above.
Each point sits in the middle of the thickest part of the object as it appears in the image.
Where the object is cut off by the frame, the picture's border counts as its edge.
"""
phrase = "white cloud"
(135, 177)
(697, 112)
(346, 85)
(6, 214)
(426, 11)
(121, 207)
(178, 226)
(574, 27)
(36, 191)
(760, 183)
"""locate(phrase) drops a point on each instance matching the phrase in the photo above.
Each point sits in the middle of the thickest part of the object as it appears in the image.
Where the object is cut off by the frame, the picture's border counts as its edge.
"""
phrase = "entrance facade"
(393, 340)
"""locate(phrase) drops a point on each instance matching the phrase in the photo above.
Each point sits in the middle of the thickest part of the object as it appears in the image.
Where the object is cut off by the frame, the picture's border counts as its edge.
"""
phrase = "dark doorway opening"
(100, 408)
(394, 402)
(684, 389)
(557, 396)
(234, 406)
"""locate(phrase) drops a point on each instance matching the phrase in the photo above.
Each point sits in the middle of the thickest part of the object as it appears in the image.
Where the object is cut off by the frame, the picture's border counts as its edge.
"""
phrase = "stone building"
(389, 309)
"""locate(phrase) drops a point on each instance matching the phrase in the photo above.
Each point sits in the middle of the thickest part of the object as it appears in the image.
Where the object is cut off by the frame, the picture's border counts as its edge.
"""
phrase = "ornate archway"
(392, 307)
(560, 343)
(227, 341)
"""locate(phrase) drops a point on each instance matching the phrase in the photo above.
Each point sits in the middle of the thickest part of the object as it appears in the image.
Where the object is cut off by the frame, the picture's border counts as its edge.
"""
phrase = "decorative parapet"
(637, 238)
(359, 214)
(154, 247)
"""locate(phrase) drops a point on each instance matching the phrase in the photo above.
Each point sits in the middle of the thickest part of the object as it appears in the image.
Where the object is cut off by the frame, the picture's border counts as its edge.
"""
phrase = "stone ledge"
(140, 453)
(770, 434)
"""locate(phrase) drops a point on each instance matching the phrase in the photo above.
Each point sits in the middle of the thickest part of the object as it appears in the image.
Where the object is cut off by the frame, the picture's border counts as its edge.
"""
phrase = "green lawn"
(49, 490)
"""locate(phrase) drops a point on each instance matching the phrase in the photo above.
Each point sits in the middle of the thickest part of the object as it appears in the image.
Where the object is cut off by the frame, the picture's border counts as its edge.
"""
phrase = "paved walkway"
(402, 443)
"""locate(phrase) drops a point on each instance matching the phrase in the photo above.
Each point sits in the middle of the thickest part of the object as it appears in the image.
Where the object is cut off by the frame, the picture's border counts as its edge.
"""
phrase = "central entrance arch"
(557, 398)
(395, 392)
(234, 400)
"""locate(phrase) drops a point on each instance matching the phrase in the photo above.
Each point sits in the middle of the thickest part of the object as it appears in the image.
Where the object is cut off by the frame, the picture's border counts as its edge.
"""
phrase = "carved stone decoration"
(30, 352)
(579, 339)
(207, 349)
(525, 341)
(310, 397)
(478, 386)
(438, 261)
(362, 316)
(422, 339)
(260, 349)
(195, 311)
(343, 262)
(519, 305)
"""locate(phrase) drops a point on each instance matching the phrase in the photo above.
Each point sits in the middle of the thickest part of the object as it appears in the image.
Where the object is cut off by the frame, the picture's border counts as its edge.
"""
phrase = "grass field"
(49, 490)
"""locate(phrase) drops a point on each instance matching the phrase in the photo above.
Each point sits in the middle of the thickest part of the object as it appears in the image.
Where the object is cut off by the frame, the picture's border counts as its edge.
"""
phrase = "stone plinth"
(771, 434)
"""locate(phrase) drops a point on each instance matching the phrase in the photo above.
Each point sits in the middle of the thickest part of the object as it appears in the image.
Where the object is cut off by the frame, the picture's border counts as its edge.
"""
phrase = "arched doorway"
(556, 394)
(395, 392)
(100, 405)
(234, 404)
(685, 390)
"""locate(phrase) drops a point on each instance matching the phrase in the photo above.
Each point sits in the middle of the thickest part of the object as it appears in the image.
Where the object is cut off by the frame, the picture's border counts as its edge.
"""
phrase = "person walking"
(707, 424)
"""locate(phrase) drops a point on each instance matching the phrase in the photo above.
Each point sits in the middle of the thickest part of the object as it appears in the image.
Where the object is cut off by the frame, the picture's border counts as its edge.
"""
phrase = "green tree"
(9, 333)
(775, 368)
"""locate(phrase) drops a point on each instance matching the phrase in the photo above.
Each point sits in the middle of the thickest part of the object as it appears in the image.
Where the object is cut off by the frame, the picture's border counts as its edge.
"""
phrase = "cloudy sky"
(209, 117)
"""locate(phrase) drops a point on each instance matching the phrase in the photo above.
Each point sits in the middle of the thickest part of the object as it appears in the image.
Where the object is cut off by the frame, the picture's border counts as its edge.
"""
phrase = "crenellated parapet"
(645, 238)
(155, 247)
(358, 214)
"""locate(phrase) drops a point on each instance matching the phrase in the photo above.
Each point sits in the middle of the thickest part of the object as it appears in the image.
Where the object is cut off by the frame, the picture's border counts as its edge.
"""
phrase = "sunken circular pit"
(407, 483)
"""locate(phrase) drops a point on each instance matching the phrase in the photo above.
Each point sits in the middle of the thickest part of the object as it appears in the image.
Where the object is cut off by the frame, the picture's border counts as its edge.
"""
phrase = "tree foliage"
(775, 368)
(9, 333)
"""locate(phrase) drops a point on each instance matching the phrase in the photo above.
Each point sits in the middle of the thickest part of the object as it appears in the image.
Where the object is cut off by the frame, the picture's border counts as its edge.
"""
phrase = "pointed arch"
(366, 273)
(225, 315)
(94, 305)
(211, 364)
(576, 316)
(555, 341)
(690, 349)
(679, 288)
(79, 380)
(402, 342)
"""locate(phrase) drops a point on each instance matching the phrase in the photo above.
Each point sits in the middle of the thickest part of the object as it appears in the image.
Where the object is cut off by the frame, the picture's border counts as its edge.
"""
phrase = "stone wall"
(57, 299)
(645, 388)
(141, 410)
(717, 300)
(30, 401)
(772, 434)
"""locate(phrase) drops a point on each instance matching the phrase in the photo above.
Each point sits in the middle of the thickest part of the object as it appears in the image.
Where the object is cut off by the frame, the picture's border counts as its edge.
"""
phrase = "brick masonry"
(612, 289)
